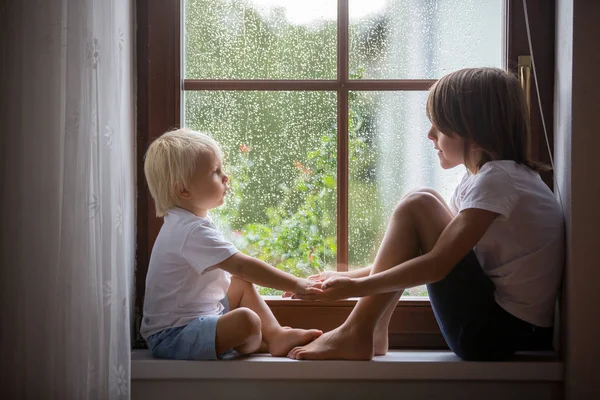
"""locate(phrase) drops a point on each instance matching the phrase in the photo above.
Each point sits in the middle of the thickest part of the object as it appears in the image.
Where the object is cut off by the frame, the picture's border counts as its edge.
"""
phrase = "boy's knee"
(416, 200)
(248, 321)
(421, 190)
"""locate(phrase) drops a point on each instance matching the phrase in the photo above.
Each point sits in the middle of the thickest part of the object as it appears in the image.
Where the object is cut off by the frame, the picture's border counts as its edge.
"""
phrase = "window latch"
(524, 73)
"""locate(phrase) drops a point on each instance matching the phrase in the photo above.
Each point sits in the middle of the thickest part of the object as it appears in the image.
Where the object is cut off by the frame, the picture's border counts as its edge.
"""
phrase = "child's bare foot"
(288, 338)
(338, 344)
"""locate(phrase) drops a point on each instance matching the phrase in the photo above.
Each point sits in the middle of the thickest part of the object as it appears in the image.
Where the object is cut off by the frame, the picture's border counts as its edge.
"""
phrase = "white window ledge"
(396, 365)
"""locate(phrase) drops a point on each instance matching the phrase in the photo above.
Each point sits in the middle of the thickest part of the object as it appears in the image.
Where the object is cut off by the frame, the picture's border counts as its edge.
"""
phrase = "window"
(320, 111)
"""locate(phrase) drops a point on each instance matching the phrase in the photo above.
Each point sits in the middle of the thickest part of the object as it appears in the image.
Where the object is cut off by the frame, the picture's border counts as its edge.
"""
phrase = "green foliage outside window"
(303, 240)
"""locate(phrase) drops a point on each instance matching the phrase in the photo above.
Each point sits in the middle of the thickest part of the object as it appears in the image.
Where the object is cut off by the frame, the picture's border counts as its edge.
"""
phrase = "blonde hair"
(171, 160)
(485, 106)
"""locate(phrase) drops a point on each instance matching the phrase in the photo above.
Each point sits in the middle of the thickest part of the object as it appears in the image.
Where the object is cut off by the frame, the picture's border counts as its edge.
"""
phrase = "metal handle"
(524, 68)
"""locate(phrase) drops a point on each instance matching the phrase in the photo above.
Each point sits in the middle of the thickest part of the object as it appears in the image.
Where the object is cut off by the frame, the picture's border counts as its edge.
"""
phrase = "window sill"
(410, 365)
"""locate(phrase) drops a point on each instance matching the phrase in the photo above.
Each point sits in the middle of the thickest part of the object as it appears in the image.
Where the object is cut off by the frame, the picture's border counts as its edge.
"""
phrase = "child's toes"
(293, 352)
(309, 335)
(315, 333)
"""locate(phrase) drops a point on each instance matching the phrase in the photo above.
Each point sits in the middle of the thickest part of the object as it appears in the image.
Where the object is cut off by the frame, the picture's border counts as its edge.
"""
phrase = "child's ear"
(182, 191)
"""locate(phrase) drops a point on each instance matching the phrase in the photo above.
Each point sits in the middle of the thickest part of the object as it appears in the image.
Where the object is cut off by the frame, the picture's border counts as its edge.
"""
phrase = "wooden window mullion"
(342, 136)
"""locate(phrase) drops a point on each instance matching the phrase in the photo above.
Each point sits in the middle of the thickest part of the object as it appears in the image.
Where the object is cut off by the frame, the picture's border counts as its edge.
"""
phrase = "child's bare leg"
(239, 329)
(381, 340)
(380, 336)
(414, 227)
(276, 339)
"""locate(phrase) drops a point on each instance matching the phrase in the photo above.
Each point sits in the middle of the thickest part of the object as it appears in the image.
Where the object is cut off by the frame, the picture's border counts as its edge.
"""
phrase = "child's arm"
(259, 272)
(358, 273)
(355, 273)
(459, 237)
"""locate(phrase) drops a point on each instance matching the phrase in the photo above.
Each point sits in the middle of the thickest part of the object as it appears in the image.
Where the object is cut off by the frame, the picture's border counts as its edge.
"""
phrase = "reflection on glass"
(392, 156)
(417, 39)
(260, 39)
(280, 154)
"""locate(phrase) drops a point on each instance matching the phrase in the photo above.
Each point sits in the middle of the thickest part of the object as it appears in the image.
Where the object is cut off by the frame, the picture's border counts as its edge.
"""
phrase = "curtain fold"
(67, 198)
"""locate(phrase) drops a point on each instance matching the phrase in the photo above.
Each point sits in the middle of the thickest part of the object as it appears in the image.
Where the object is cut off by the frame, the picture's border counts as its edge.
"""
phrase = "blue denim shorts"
(474, 326)
(194, 341)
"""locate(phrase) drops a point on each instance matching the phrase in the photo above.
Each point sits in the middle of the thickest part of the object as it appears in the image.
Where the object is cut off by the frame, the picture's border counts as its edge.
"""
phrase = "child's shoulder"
(180, 215)
(490, 173)
(495, 178)
(507, 177)
(505, 171)
(179, 220)
(508, 167)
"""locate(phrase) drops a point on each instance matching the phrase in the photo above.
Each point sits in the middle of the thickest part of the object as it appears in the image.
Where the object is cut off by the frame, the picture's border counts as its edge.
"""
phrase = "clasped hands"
(328, 285)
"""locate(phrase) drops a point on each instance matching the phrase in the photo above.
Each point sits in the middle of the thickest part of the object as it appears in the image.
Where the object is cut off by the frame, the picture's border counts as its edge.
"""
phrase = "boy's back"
(179, 288)
(522, 251)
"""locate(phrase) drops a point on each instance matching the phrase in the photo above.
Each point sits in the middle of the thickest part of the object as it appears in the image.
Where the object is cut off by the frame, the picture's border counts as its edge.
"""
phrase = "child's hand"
(336, 288)
(323, 276)
(306, 286)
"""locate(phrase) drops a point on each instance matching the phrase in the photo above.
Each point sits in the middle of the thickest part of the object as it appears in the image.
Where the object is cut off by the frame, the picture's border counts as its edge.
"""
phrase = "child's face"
(450, 148)
(209, 184)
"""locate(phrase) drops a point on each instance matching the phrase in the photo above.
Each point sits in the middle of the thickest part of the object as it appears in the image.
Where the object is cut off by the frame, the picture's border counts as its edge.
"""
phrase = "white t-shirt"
(180, 285)
(522, 251)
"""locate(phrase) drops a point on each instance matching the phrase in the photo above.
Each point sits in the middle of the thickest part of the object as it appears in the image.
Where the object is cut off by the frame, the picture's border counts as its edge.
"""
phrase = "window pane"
(423, 39)
(389, 156)
(280, 154)
(260, 39)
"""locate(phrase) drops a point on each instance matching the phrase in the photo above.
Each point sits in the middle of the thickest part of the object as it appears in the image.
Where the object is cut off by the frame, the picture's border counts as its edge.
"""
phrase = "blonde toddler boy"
(200, 301)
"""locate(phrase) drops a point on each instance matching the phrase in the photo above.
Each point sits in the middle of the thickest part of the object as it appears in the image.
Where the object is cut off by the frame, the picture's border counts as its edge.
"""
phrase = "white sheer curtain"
(67, 198)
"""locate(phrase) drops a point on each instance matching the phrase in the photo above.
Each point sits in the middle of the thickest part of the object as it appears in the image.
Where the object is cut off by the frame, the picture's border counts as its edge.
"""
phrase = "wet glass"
(423, 39)
(280, 154)
(390, 155)
(260, 39)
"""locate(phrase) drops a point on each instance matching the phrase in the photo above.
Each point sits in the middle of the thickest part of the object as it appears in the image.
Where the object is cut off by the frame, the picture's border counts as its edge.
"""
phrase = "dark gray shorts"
(474, 326)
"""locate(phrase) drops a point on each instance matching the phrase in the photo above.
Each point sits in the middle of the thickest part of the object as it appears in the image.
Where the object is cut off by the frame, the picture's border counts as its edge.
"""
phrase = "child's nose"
(430, 135)
(225, 179)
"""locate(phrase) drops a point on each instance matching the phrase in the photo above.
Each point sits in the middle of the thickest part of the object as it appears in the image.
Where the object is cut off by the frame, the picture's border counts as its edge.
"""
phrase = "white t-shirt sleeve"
(454, 198)
(205, 247)
(492, 190)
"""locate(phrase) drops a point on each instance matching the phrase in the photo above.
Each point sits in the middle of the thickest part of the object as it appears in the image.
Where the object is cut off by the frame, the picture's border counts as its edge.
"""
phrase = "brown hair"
(485, 106)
